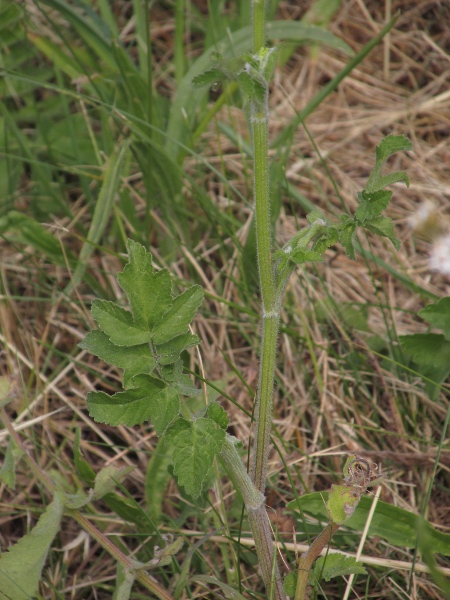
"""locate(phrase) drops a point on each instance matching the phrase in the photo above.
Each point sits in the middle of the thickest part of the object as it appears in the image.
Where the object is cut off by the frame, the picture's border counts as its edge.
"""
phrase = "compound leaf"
(150, 399)
(194, 445)
(21, 566)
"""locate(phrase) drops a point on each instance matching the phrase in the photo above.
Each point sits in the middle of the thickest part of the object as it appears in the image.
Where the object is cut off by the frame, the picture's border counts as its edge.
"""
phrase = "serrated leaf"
(135, 359)
(149, 293)
(430, 349)
(302, 255)
(180, 381)
(217, 413)
(21, 565)
(251, 87)
(388, 146)
(151, 399)
(195, 444)
(118, 324)
(108, 478)
(438, 315)
(383, 226)
(329, 237)
(210, 77)
(334, 565)
(8, 469)
(177, 319)
(392, 144)
(84, 469)
(394, 524)
(169, 352)
(372, 204)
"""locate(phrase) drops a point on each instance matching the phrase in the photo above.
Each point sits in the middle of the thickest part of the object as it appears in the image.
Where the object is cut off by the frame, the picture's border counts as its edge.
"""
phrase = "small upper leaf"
(372, 204)
(209, 77)
(388, 146)
(383, 226)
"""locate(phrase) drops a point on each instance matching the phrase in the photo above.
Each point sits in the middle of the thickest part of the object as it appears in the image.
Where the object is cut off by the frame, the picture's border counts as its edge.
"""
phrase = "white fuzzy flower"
(440, 255)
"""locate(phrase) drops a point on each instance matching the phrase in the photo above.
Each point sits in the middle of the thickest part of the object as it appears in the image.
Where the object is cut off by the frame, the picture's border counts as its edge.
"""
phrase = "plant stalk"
(307, 559)
(259, 521)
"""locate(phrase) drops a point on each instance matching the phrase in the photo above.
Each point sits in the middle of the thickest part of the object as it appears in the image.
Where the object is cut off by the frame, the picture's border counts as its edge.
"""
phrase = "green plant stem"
(259, 24)
(307, 559)
(262, 533)
(145, 579)
(258, 518)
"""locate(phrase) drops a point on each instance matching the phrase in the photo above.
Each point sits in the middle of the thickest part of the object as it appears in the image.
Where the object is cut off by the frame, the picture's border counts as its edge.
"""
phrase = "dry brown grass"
(323, 408)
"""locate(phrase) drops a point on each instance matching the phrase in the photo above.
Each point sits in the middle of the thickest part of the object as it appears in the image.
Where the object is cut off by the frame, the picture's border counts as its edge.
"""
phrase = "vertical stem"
(259, 521)
(259, 24)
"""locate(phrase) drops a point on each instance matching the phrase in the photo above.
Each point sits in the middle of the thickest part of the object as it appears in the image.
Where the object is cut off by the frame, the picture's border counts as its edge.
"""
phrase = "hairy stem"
(307, 559)
(262, 533)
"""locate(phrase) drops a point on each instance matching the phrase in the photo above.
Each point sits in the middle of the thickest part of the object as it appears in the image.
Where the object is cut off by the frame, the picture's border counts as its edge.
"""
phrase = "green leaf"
(108, 478)
(208, 78)
(104, 204)
(178, 318)
(397, 526)
(173, 374)
(438, 315)
(347, 235)
(302, 255)
(290, 583)
(217, 413)
(124, 582)
(334, 565)
(21, 566)
(134, 359)
(427, 349)
(149, 293)
(151, 399)
(383, 226)
(84, 469)
(8, 468)
(388, 146)
(169, 352)
(157, 479)
(194, 444)
(7, 389)
(372, 204)
(118, 324)
(342, 501)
